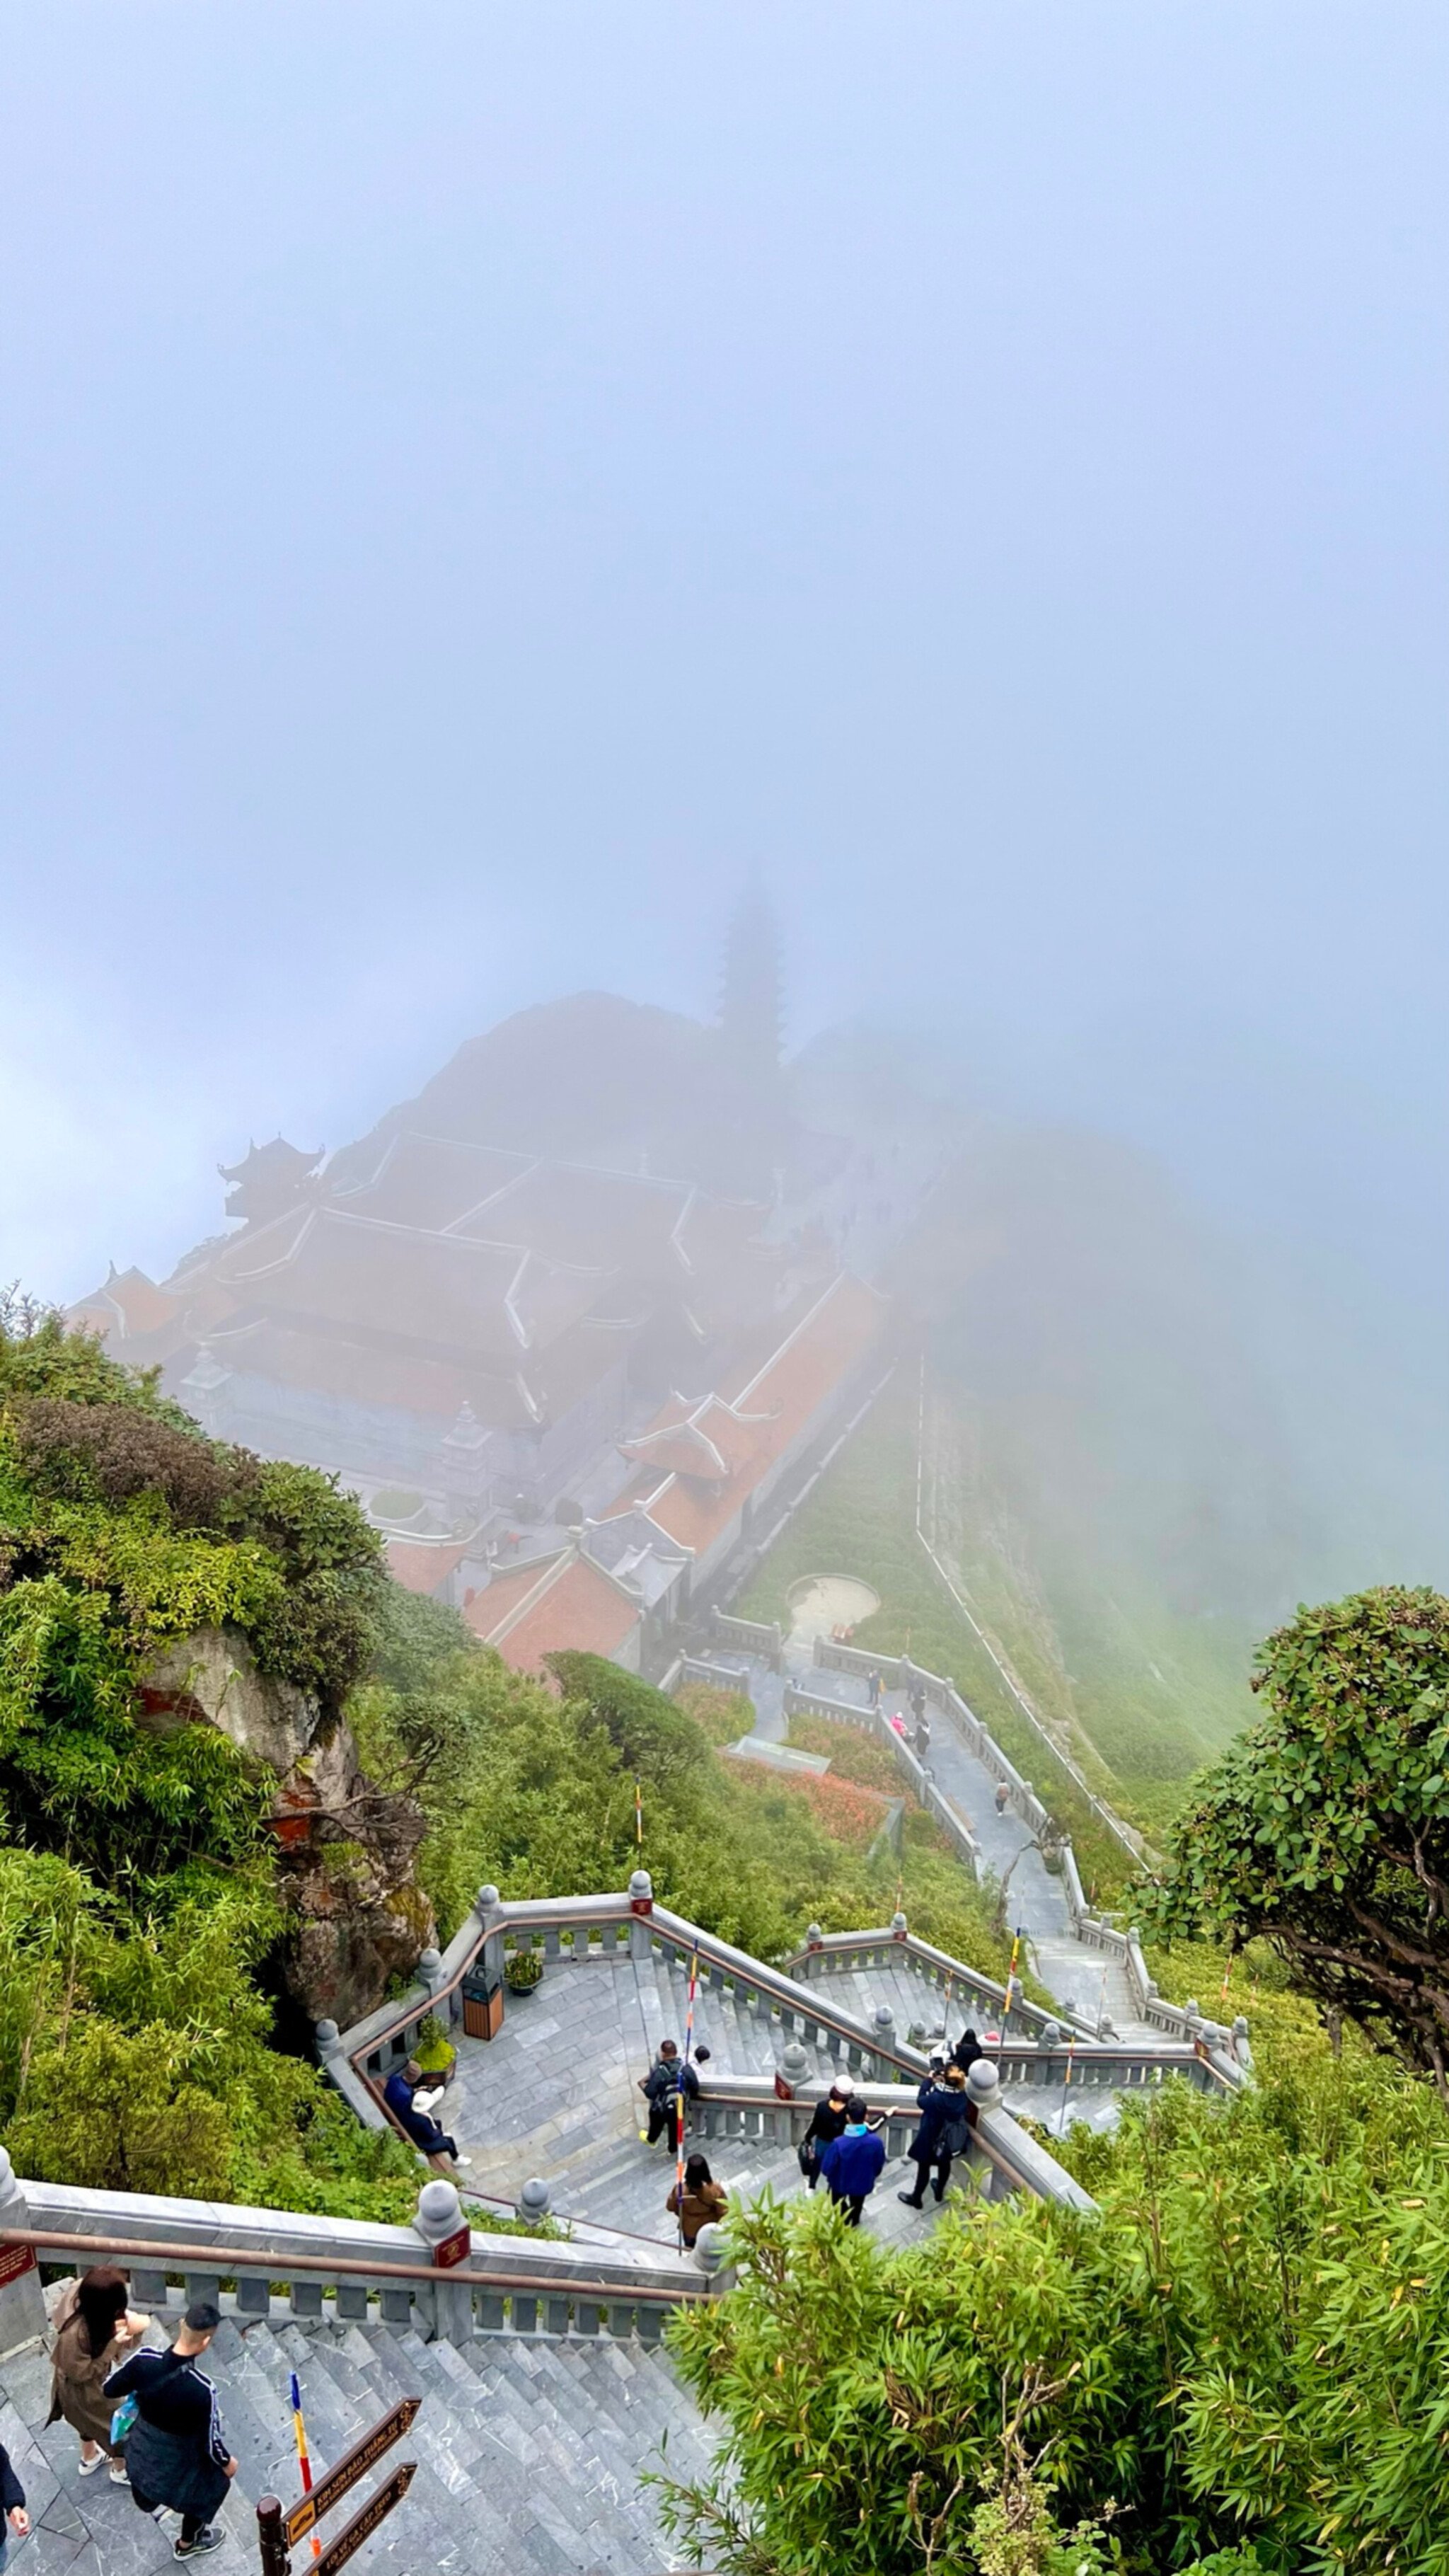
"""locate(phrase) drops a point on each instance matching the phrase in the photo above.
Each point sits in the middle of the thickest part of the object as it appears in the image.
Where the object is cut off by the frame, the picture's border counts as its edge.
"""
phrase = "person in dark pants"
(851, 2167)
(826, 2126)
(669, 2084)
(420, 2126)
(872, 1684)
(12, 2506)
(176, 2450)
(944, 2133)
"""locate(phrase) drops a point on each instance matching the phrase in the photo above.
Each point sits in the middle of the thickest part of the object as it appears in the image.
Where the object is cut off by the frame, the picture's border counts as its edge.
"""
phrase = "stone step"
(530, 2452)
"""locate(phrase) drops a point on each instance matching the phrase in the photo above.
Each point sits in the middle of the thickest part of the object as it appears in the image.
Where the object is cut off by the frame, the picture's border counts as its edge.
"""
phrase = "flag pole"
(683, 2098)
(304, 2461)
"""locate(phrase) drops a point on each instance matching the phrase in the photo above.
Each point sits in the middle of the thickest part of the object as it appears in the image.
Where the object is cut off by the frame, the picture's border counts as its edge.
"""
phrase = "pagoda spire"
(750, 1009)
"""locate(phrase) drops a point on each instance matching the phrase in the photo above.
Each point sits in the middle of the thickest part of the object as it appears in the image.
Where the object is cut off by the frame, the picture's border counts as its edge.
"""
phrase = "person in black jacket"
(827, 2125)
(670, 2083)
(944, 2133)
(12, 2505)
(966, 2051)
(176, 2450)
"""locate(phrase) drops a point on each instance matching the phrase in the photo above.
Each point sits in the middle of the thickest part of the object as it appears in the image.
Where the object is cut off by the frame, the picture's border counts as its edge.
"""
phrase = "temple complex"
(566, 1383)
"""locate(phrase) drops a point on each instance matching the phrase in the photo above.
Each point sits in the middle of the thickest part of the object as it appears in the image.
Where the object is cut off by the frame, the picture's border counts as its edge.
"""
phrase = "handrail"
(230, 2258)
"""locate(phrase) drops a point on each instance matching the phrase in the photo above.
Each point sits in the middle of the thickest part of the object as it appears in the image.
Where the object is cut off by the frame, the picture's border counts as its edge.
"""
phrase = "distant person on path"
(851, 2167)
(944, 2133)
(12, 2505)
(872, 1684)
(826, 2126)
(1002, 1795)
(921, 1740)
(94, 2332)
(704, 2200)
(420, 2126)
(176, 2451)
(918, 1702)
(966, 2051)
(669, 2084)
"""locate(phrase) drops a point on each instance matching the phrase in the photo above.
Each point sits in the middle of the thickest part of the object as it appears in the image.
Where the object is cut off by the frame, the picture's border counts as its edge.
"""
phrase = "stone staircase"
(530, 2452)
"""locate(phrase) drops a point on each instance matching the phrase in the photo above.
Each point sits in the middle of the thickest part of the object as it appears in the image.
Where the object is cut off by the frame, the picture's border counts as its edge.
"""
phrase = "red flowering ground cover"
(852, 1814)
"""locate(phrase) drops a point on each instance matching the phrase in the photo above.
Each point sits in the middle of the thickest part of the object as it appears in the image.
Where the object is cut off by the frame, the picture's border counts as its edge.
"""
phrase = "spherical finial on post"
(898, 1925)
(1049, 2035)
(533, 2201)
(983, 2083)
(794, 2064)
(641, 1891)
(814, 1937)
(712, 2248)
(487, 1900)
(329, 2039)
(439, 2212)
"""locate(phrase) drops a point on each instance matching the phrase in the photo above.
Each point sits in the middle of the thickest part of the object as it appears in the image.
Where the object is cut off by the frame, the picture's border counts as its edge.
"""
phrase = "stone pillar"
(431, 1970)
(712, 2253)
(814, 1937)
(794, 2068)
(641, 1906)
(1242, 2049)
(448, 2302)
(329, 2040)
(22, 2301)
(983, 2084)
(533, 2201)
(486, 1904)
(898, 1926)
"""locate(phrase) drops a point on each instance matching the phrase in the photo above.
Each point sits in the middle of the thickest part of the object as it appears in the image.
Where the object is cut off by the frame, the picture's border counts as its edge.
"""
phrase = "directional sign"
(362, 2526)
(16, 2260)
(354, 2464)
(452, 2250)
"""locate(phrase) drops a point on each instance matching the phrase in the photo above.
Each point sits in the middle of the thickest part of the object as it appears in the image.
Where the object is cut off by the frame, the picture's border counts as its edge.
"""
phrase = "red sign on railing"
(14, 2260)
(452, 2250)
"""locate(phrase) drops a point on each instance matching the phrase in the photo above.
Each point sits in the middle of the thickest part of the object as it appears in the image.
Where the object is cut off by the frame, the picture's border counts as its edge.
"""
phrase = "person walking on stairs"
(670, 2083)
(872, 1684)
(176, 2451)
(703, 2203)
(850, 2169)
(94, 2331)
(966, 2051)
(825, 2127)
(12, 2506)
(944, 2133)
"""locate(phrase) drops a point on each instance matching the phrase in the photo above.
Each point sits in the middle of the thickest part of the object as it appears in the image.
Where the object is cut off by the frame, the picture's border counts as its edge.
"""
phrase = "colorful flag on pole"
(682, 2098)
(1067, 2084)
(304, 2461)
(638, 1816)
(1011, 1971)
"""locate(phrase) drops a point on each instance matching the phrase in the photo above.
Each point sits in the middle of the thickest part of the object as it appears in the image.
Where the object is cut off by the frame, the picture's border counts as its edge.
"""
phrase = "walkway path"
(1081, 1979)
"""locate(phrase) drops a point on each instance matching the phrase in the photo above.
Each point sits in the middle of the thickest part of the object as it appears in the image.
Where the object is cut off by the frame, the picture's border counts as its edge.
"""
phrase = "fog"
(480, 480)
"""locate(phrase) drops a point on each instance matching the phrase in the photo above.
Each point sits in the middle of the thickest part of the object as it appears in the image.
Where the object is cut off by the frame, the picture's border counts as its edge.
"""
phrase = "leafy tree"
(1326, 1829)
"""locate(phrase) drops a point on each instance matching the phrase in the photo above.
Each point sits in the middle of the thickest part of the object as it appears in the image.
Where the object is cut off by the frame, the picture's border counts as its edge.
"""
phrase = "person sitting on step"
(420, 2126)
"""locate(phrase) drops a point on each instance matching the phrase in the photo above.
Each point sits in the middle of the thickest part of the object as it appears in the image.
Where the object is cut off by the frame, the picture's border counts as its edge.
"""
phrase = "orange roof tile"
(540, 1609)
(419, 1566)
(686, 1496)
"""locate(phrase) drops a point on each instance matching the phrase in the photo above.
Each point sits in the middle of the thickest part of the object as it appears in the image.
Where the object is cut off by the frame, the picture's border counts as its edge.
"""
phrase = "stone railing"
(592, 1927)
(734, 1678)
(840, 1953)
(1182, 2022)
(1001, 2158)
(269, 2262)
(755, 1636)
(901, 1674)
(799, 1702)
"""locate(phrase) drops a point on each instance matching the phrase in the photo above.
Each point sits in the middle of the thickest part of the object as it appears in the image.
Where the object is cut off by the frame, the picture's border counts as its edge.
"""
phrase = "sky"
(476, 480)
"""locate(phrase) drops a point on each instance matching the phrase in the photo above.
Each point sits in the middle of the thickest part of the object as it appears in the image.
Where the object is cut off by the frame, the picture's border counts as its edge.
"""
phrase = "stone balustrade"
(268, 2262)
(764, 1638)
(842, 1953)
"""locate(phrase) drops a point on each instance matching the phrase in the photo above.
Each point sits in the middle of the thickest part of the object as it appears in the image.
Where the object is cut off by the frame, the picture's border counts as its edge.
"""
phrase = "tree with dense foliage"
(1326, 1829)
(1245, 2349)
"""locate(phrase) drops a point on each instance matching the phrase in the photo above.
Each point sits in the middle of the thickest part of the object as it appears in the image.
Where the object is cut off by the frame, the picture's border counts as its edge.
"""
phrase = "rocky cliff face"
(345, 1851)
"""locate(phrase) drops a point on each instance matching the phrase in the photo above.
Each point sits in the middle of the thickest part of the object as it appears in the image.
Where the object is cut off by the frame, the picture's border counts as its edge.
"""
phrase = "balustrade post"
(271, 2538)
(22, 2301)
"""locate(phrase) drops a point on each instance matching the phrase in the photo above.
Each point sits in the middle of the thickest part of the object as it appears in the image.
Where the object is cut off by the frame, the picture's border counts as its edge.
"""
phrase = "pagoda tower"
(750, 1013)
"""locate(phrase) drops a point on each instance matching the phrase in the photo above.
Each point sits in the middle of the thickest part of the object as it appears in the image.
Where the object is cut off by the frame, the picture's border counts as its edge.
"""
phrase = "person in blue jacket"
(424, 2132)
(850, 2167)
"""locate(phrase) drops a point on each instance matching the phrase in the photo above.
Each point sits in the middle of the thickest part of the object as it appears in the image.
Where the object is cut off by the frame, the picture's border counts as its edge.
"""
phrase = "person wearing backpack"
(944, 2134)
(669, 2087)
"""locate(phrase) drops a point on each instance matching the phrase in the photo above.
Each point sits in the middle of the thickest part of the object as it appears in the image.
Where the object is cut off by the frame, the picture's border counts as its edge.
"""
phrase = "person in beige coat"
(95, 2330)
